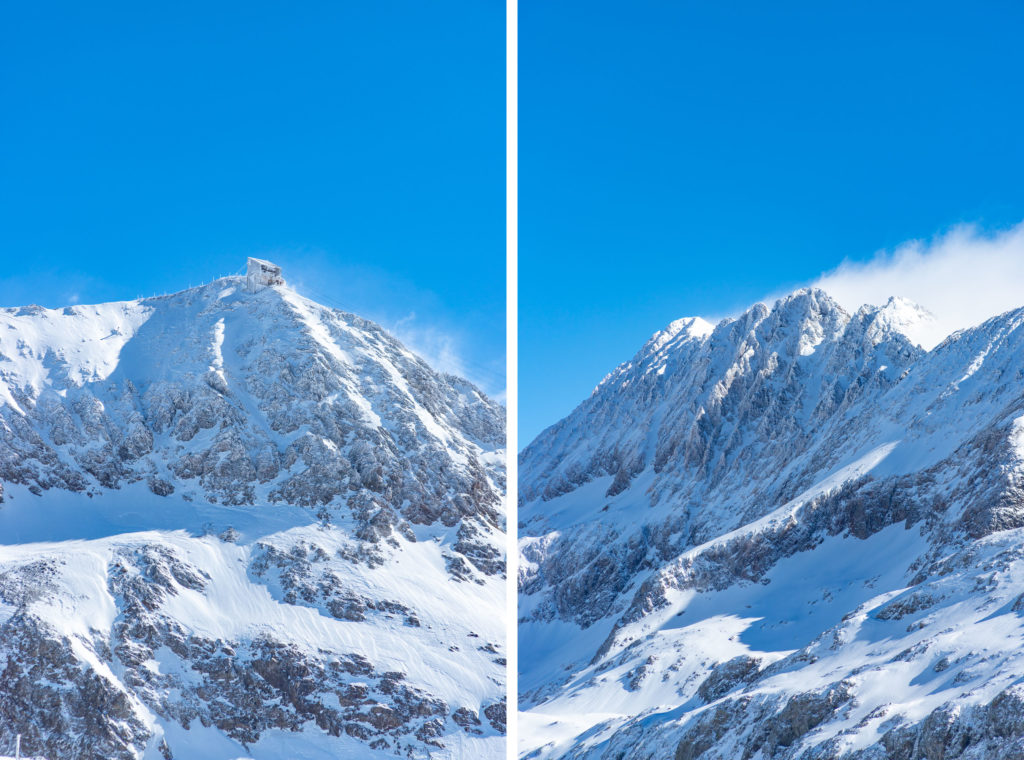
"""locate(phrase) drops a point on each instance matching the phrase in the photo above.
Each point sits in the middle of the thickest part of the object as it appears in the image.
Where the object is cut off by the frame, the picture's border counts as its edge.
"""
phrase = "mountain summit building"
(260, 273)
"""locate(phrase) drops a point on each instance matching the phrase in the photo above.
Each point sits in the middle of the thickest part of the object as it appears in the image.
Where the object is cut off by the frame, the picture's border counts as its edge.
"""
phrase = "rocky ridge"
(794, 534)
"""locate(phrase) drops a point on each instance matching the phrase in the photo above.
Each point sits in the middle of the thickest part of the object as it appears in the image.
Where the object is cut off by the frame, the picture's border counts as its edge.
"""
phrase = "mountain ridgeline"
(237, 523)
(795, 534)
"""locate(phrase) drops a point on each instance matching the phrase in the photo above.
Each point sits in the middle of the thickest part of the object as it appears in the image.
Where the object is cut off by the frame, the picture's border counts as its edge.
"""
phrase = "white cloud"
(962, 277)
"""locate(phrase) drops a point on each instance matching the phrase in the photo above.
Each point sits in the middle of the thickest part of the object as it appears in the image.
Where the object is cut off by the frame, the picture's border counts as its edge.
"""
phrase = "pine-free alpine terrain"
(794, 534)
(237, 523)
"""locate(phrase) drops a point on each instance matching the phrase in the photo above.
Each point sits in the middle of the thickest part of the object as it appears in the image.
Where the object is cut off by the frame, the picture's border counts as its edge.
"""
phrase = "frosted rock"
(795, 535)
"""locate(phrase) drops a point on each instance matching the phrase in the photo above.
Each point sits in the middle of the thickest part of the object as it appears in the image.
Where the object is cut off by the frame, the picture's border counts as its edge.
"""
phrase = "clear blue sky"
(682, 158)
(147, 146)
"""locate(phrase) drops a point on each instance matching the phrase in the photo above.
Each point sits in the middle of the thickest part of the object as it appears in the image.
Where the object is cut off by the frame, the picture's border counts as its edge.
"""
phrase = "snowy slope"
(793, 535)
(241, 524)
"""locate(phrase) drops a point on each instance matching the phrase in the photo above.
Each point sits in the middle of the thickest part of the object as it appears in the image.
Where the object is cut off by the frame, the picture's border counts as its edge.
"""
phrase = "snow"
(128, 361)
(64, 347)
(913, 320)
(711, 449)
(233, 608)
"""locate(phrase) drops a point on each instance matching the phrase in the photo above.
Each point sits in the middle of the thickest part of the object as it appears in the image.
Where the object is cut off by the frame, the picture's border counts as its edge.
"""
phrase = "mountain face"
(791, 535)
(236, 523)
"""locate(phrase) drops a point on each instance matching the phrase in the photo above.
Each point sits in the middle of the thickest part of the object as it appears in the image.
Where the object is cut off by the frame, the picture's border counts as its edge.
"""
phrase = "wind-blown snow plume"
(963, 278)
(439, 348)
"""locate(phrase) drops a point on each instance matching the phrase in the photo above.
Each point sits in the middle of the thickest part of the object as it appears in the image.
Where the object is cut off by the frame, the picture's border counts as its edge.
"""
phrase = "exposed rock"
(241, 505)
(791, 535)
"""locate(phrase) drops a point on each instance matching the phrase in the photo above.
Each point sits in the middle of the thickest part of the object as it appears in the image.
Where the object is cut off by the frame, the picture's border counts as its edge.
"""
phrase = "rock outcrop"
(791, 535)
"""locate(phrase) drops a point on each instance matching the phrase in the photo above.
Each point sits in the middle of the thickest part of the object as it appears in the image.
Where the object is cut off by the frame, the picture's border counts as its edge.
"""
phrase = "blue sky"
(683, 158)
(145, 147)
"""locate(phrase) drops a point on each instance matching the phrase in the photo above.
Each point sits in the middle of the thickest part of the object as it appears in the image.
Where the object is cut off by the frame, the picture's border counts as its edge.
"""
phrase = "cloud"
(962, 277)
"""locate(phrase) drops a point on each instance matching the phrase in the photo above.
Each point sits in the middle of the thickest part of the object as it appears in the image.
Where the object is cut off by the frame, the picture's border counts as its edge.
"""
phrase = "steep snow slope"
(796, 535)
(241, 524)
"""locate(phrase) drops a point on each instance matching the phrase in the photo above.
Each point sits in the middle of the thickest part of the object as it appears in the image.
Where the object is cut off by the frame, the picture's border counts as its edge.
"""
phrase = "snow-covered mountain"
(237, 523)
(795, 534)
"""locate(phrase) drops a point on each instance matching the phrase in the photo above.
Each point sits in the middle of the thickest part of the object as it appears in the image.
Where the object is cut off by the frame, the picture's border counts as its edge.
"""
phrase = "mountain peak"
(677, 331)
(694, 327)
(254, 507)
(808, 302)
(804, 511)
(911, 319)
(800, 320)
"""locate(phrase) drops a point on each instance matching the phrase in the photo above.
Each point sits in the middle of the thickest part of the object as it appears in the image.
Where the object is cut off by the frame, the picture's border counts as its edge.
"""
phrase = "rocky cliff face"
(241, 524)
(794, 534)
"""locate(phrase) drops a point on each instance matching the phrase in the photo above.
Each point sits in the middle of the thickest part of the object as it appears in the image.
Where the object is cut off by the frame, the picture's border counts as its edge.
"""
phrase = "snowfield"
(795, 535)
(243, 525)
